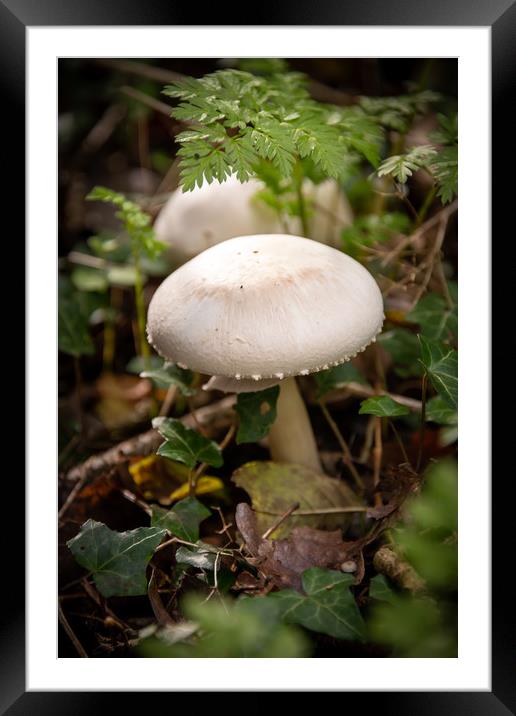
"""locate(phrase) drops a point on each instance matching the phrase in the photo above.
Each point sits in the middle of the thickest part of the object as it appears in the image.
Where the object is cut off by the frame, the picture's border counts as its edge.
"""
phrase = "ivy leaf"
(257, 413)
(439, 411)
(440, 363)
(200, 558)
(336, 377)
(117, 560)
(186, 445)
(379, 589)
(403, 347)
(437, 320)
(327, 606)
(182, 520)
(383, 406)
(170, 374)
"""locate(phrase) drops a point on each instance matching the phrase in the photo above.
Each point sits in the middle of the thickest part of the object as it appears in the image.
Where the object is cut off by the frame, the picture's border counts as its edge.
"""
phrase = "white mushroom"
(267, 308)
(191, 222)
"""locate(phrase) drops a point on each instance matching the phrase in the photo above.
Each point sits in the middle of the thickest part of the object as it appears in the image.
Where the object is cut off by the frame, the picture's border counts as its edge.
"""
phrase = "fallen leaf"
(205, 485)
(275, 487)
(284, 560)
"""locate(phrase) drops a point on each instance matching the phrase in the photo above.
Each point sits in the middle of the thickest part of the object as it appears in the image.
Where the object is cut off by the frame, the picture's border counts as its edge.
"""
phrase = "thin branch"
(280, 520)
(346, 452)
(71, 634)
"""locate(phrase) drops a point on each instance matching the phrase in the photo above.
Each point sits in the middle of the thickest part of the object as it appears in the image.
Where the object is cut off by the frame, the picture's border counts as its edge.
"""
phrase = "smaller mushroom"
(191, 222)
(256, 311)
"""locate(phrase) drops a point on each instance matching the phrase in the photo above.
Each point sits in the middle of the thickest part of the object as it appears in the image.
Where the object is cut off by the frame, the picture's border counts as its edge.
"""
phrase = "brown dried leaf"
(283, 561)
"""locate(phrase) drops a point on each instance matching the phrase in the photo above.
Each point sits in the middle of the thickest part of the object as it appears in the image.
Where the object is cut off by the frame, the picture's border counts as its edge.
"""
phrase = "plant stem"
(78, 388)
(400, 442)
(424, 385)
(140, 307)
(346, 452)
(427, 203)
(301, 200)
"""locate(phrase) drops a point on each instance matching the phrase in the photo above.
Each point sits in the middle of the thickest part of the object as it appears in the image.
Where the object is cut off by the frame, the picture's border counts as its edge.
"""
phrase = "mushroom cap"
(265, 306)
(191, 222)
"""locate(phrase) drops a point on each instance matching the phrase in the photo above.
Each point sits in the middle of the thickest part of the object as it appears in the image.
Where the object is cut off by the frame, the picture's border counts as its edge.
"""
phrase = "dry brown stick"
(387, 562)
(430, 261)
(377, 455)
(161, 614)
(446, 212)
(142, 70)
(364, 391)
(346, 452)
(322, 511)
(71, 634)
(148, 442)
(168, 402)
(154, 104)
(279, 521)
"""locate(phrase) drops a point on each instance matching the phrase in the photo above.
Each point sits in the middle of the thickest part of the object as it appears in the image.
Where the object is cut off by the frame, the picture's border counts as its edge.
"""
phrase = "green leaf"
(170, 374)
(440, 363)
(373, 229)
(437, 320)
(186, 445)
(403, 346)
(182, 520)
(274, 487)
(72, 327)
(439, 411)
(327, 606)
(402, 166)
(257, 413)
(445, 168)
(337, 377)
(383, 406)
(248, 628)
(117, 560)
(123, 276)
(89, 279)
(199, 558)
(379, 589)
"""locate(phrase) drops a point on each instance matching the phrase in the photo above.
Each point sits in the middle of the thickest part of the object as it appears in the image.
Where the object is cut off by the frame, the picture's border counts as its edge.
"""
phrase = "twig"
(430, 261)
(364, 391)
(71, 635)
(400, 443)
(377, 454)
(168, 402)
(280, 519)
(324, 511)
(158, 608)
(346, 453)
(148, 442)
(424, 385)
(147, 99)
(387, 562)
(446, 212)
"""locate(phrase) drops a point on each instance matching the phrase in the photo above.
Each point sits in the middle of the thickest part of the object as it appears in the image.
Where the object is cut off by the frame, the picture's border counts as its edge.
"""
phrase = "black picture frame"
(500, 15)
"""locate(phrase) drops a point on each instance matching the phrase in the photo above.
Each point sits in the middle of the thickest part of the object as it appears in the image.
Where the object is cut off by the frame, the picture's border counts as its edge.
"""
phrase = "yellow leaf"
(205, 484)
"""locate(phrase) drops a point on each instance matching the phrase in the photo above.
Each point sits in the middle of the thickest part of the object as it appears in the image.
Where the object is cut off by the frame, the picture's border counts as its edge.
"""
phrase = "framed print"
(245, 250)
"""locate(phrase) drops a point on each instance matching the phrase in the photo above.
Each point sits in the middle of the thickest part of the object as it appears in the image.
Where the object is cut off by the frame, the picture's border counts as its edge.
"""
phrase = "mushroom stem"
(291, 438)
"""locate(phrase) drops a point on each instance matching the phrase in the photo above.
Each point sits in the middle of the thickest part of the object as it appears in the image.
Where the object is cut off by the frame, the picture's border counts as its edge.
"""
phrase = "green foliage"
(73, 322)
(423, 626)
(136, 222)
(337, 377)
(404, 349)
(444, 166)
(440, 363)
(248, 628)
(257, 413)
(373, 229)
(437, 321)
(383, 406)
(274, 487)
(88, 279)
(327, 606)
(439, 411)
(398, 112)
(169, 374)
(117, 560)
(182, 520)
(186, 445)
(241, 118)
(262, 65)
(401, 166)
